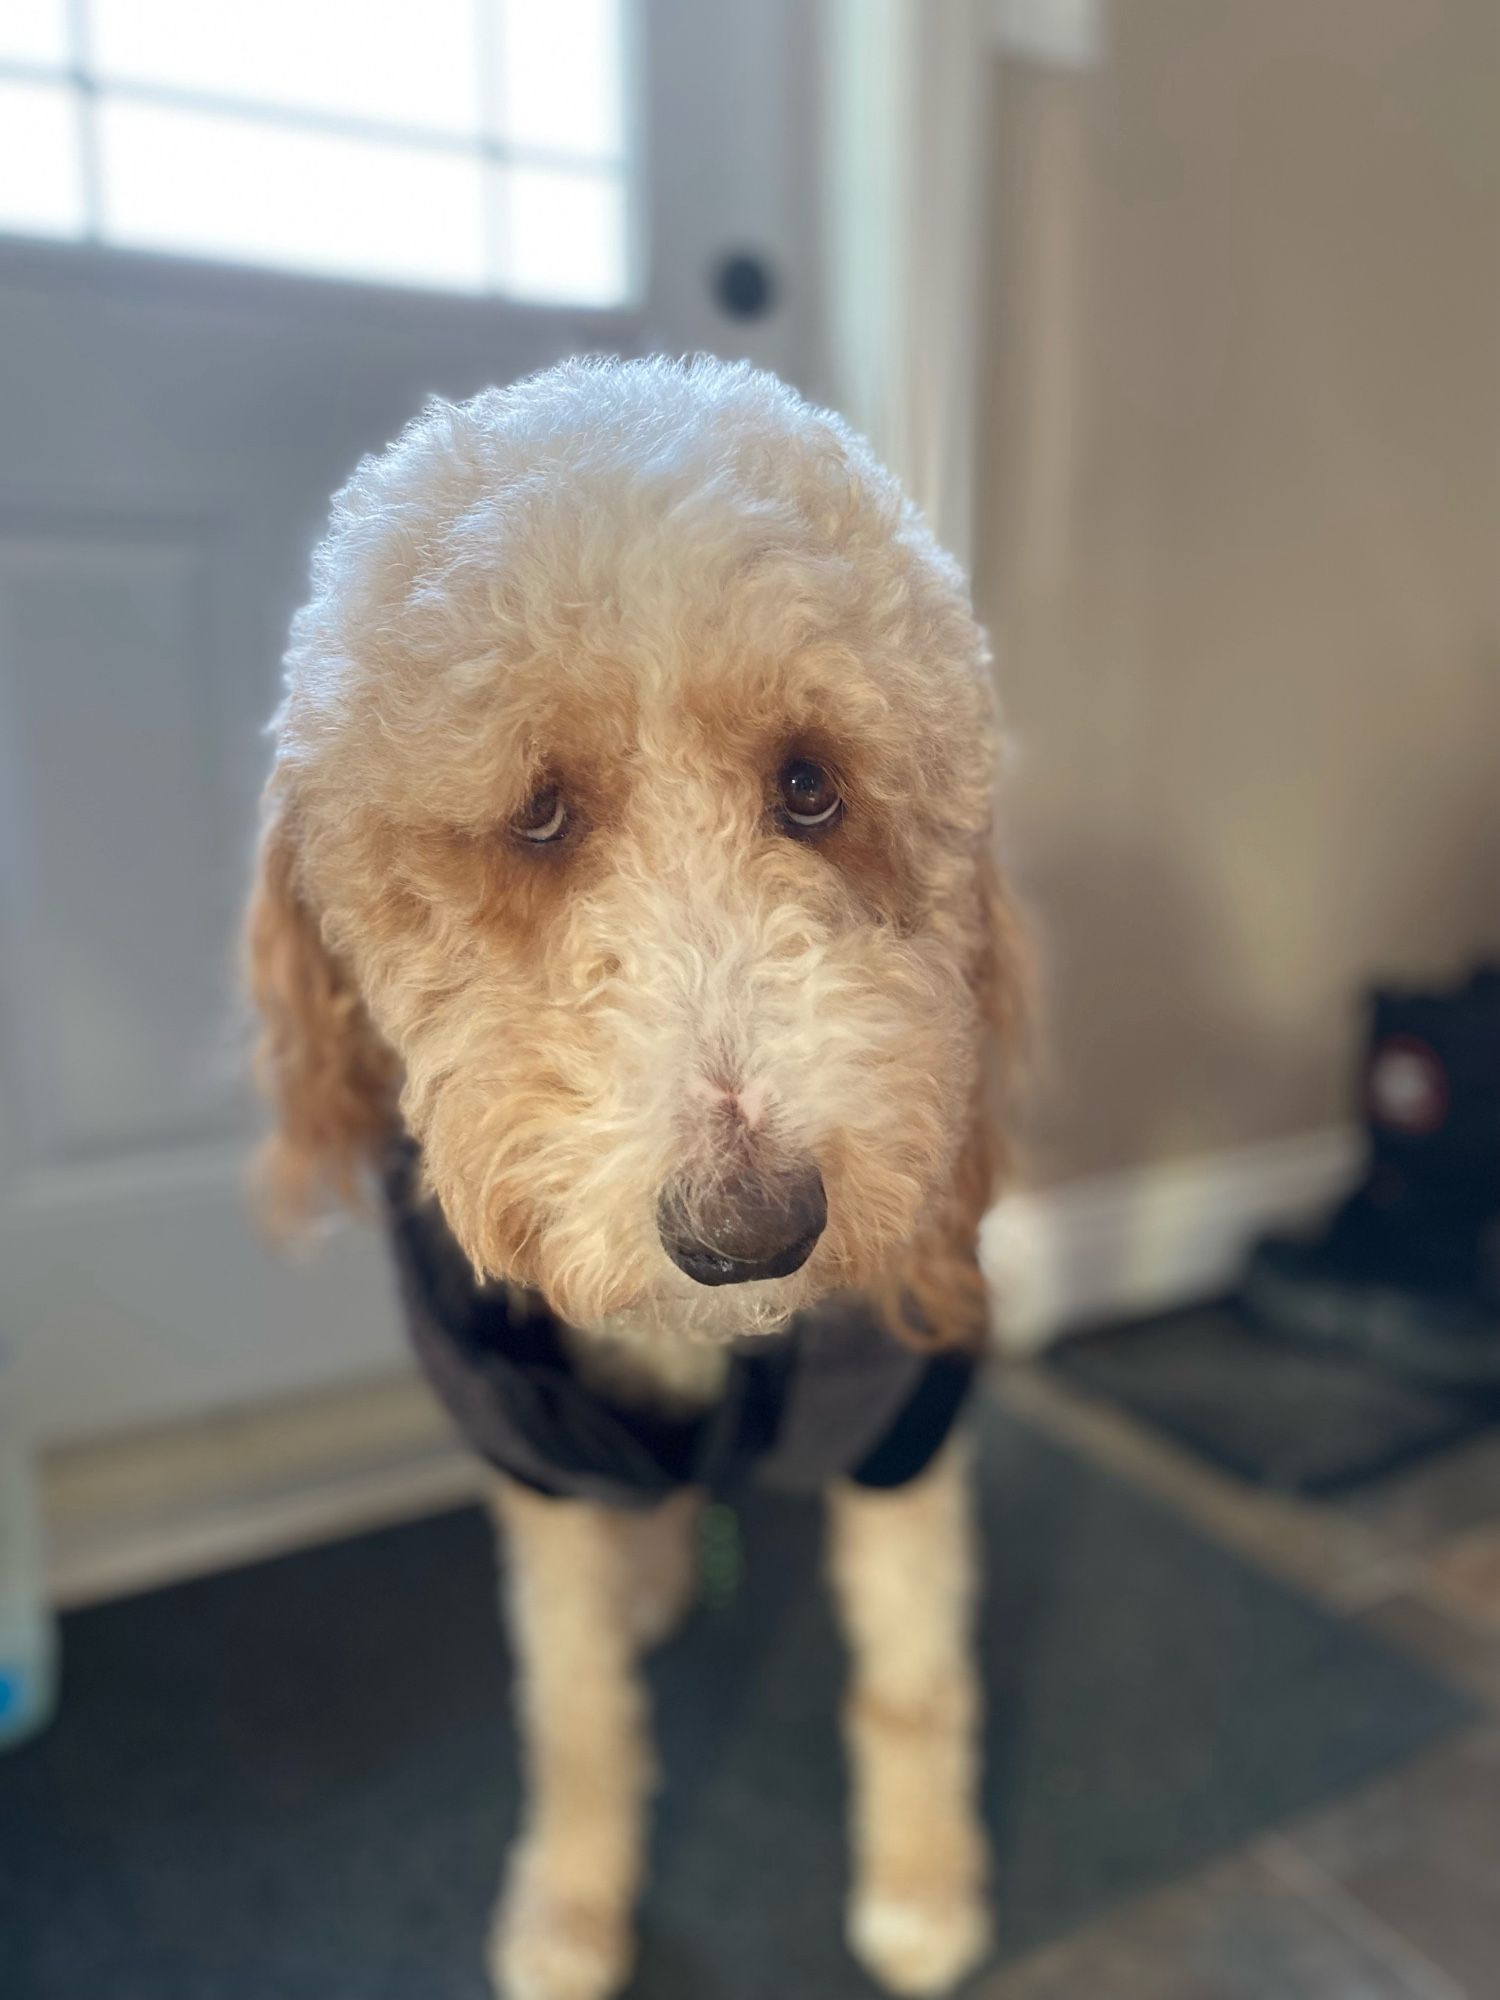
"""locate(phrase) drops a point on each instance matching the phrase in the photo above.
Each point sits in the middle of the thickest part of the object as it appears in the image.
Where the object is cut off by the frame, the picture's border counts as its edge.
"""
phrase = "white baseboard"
(148, 1507)
(1154, 1237)
(132, 1512)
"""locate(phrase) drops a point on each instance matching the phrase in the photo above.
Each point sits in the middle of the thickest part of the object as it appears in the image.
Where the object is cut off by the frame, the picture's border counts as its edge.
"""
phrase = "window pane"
(406, 62)
(257, 193)
(561, 78)
(564, 235)
(34, 31)
(41, 188)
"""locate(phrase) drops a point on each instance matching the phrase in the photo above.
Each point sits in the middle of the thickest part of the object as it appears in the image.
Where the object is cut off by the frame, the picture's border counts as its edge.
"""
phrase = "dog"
(627, 900)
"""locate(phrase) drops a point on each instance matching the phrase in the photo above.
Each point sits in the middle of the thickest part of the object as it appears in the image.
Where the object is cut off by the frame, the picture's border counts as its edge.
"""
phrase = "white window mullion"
(80, 55)
(487, 58)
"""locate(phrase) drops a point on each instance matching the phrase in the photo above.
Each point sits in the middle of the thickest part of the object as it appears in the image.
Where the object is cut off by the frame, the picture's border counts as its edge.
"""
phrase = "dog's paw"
(918, 1943)
(545, 1948)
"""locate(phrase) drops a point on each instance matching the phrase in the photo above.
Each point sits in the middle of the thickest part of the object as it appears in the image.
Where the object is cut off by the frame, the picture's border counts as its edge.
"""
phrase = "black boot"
(1407, 1269)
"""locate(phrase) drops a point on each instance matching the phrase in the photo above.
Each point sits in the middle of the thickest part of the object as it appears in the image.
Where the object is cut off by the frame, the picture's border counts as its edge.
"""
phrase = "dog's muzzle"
(744, 1225)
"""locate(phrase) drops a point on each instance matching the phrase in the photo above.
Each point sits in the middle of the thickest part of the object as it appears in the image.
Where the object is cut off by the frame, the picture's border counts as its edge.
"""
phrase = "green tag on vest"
(721, 1559)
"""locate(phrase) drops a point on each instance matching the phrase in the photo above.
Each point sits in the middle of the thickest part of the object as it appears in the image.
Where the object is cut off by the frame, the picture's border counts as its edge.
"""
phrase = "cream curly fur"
(645, 587)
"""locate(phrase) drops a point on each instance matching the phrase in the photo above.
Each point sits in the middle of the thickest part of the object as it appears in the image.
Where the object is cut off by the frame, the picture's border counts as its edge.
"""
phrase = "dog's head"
(629, 838)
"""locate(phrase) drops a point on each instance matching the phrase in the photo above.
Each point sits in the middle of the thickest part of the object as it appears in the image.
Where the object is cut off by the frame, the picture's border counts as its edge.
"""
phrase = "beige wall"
(1240, 529)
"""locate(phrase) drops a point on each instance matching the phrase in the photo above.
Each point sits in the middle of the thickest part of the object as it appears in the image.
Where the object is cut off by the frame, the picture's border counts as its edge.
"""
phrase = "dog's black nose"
(744, 1226)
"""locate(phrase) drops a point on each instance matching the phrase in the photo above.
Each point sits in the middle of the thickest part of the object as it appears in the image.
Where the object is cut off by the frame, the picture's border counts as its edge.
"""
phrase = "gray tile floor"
(1393, 1894)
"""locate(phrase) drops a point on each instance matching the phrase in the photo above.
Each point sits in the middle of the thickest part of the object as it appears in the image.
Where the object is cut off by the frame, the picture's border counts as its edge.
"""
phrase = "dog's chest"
(625, 1415)
(675, 1376)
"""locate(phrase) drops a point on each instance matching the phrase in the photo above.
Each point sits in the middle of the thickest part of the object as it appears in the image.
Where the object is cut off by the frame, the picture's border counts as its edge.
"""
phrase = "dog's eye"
(809, 797)
(544, 817)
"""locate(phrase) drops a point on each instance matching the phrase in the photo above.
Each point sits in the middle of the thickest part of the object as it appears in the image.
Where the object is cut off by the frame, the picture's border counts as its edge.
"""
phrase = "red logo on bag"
(1408, 1086)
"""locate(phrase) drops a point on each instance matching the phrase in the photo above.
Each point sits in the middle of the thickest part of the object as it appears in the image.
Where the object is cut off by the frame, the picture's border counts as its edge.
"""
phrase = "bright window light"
(310, 201)
(466, 145)
(34, 31)
(557, 77)
(41, 189)
(402, 64)
(564, 234)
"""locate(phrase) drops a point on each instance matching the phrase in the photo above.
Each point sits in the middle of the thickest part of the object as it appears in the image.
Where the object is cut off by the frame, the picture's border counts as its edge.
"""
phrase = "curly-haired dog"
(626, 895)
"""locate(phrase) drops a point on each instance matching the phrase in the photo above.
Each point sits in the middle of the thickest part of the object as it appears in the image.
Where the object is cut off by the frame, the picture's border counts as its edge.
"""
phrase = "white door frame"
(908, 104)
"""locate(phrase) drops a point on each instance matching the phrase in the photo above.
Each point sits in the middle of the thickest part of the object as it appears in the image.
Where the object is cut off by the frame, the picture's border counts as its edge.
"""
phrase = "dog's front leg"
(563, 1930)
(904, 1574)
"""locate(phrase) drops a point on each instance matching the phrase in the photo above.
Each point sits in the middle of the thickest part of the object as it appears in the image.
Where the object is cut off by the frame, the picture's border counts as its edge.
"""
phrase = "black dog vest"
(835, 1397)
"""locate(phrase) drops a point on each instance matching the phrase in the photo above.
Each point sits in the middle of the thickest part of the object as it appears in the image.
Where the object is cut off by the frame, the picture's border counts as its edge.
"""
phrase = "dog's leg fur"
(564, 1929)
(904, 1574)
(662, 1553)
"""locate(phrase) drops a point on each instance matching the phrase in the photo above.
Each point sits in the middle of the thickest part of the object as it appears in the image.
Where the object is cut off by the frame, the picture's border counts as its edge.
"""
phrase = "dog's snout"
(744, 1226)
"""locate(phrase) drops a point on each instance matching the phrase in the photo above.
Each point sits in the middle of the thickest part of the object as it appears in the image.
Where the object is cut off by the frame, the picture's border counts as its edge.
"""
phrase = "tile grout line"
(1306, 1879)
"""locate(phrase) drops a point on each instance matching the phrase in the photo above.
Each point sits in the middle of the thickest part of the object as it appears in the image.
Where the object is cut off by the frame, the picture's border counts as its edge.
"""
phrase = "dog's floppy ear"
(1005, 987)
(937, 1298)
(328, 1077)
(1004, 977)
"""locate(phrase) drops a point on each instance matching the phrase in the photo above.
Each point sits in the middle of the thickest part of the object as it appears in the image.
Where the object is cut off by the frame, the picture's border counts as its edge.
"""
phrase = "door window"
(479, 146)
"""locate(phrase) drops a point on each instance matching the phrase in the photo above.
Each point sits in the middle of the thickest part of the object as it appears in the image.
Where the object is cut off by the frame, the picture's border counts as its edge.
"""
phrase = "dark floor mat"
(293, 1782)
(1294, 1418)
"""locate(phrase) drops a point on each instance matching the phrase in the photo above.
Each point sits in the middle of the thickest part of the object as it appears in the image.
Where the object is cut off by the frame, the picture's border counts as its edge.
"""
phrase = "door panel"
(101, 686)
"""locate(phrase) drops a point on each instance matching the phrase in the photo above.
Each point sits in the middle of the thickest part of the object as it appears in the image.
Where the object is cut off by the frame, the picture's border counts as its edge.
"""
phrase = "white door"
(170, 430)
